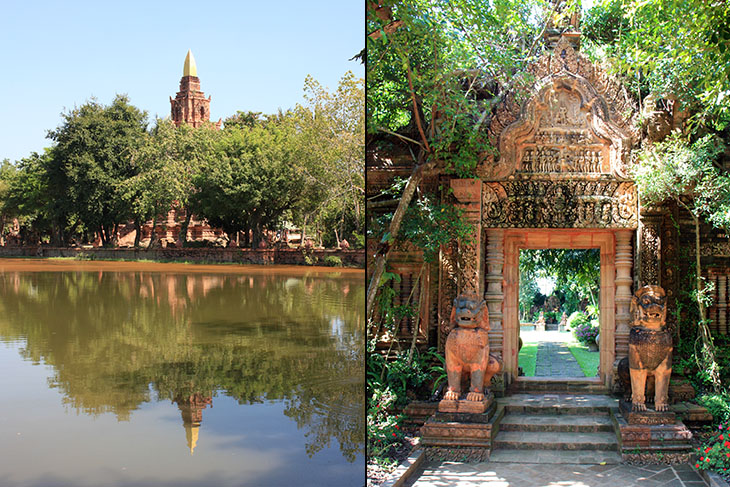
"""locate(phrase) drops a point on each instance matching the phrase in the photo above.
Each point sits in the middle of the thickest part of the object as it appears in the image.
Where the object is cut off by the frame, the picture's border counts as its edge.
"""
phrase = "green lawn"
(587, 359)
(527, 358)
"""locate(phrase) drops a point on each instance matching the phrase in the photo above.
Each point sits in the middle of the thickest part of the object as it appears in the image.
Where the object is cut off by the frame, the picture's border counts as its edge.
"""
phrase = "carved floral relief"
(534, 203)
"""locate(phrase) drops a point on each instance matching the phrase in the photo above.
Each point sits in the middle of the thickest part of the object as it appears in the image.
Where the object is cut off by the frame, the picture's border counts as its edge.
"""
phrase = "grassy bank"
(587, 359)
(528, 358)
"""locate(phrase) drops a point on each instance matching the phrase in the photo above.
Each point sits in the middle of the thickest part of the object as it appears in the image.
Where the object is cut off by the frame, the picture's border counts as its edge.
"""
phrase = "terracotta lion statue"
(650, 348)
(467, 349)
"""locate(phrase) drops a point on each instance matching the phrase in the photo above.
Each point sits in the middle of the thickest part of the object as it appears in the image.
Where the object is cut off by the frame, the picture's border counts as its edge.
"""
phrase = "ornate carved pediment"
(574, 122)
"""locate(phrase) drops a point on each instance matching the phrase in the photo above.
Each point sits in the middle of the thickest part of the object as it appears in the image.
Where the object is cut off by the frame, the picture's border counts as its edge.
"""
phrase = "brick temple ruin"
(190, 106)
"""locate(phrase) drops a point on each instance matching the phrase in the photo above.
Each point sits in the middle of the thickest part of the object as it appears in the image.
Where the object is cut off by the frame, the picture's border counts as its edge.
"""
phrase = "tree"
(685, 173)
(250, 182)
(576, 271)
(168, 164)
(92, 157)
(436, 72)
(27, 196)
(330, 131)
(668, 47)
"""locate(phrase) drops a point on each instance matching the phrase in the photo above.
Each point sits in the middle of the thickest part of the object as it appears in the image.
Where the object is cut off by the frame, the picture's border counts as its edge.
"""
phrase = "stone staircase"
(575, 428)
(557, 385)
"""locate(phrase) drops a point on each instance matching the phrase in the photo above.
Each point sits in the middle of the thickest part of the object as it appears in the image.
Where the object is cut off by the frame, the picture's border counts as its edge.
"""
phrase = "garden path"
(555, 360)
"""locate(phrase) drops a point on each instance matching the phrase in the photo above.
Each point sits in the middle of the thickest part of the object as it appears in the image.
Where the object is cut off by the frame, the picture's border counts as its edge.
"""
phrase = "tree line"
(109, 166)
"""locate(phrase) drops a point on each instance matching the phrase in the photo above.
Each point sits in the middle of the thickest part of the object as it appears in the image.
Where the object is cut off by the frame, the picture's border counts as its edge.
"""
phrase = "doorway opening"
(559, 313)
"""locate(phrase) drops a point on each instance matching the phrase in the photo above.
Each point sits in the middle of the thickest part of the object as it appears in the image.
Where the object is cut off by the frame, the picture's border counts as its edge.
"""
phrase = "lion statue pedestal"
(469, 366)
(650, 357)
(462, 426)
(646, 435)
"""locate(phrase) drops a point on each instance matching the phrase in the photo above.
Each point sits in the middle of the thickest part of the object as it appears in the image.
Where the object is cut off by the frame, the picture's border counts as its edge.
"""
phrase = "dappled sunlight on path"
(454, 474)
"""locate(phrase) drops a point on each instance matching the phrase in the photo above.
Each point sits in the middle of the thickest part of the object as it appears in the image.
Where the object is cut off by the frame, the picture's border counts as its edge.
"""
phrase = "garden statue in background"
(650, 348)
(467, 350)
(540, 323)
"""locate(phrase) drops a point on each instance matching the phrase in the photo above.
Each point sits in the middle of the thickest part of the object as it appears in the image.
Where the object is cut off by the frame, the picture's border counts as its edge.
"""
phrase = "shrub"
(718, 405)
(390, 384)
(585, 331)
(383, 427)
(333, 261)
(576, 318)
(552, 316)
(715, 453)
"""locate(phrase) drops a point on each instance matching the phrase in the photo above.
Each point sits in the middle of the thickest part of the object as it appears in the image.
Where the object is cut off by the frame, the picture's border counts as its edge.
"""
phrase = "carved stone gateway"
(560, 180)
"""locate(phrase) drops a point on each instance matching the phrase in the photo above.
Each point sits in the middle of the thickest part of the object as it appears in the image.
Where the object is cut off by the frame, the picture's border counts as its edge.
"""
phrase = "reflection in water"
(118, 340)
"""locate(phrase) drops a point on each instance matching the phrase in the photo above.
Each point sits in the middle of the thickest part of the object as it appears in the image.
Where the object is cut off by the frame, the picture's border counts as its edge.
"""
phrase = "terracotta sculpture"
(467, 348)
(650, 347)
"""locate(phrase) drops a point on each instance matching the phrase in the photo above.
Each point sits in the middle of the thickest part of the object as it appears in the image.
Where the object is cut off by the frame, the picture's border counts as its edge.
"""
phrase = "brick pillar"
(649, 250)
(495, 294)
(624, 262)
(470, 258)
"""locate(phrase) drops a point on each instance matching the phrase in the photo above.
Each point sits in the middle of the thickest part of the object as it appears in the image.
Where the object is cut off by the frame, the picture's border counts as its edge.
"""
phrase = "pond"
(133, 374)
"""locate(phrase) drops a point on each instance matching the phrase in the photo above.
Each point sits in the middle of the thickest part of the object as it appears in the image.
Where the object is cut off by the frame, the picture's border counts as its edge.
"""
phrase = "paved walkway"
(486, 474)
(553, 355)
(555, 360)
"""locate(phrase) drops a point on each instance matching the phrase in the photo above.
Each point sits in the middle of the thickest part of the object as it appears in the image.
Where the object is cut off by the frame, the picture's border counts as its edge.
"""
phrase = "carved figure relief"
(563, 141)
(447, 293)
(467, 349)
(650, 348)
(576, 121)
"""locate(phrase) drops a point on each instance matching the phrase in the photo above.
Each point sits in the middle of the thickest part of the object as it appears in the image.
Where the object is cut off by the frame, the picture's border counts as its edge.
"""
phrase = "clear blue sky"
(251, 55)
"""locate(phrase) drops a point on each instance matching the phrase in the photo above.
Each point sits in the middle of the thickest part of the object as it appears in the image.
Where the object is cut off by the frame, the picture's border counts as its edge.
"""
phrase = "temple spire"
(190, 69)
(191, 435)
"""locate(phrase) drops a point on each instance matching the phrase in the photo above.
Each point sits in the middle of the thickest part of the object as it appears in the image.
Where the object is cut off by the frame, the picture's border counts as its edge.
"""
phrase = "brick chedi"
(190, 104)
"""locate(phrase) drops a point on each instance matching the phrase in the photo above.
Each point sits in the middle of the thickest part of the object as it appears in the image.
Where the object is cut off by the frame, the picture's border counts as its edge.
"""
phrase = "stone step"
(592, 423)
(529, 440)
(573, 457)
(559, 404)
(543, 385)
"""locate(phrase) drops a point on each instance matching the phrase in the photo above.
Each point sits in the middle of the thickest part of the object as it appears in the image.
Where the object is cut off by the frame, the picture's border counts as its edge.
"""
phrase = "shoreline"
(36, 264)
(223, 257)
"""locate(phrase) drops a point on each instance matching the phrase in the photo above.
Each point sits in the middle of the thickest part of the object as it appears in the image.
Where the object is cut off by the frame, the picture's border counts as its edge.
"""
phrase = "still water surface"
(172, 375)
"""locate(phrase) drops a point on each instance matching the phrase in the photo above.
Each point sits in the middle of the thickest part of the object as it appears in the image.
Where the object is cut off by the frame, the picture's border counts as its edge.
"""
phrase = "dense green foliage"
(668, 47)
(390, 385)
(302, 167)
(576, 273)
(433, 77)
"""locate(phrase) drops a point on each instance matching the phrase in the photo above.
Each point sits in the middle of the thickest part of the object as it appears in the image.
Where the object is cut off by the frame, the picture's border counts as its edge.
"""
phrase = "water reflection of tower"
(191, 409)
